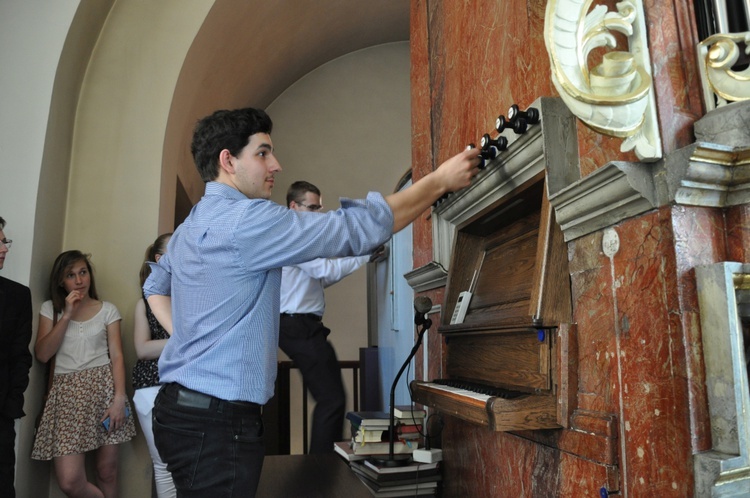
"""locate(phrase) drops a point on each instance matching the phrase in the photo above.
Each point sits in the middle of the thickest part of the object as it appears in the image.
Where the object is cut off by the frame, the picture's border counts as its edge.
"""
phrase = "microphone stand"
(398, 460)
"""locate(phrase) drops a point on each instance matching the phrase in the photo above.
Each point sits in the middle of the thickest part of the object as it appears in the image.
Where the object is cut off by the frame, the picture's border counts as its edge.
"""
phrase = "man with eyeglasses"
(15, 362)
(302, 335)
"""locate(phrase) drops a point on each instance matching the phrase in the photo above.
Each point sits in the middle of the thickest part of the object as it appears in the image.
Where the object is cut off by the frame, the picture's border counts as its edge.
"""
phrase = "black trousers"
(7, 457)
(213, 448)
(305, 340)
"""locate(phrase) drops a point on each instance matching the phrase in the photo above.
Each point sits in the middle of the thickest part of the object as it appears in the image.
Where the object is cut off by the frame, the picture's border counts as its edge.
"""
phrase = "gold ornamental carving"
(717, 55)
(615, 97)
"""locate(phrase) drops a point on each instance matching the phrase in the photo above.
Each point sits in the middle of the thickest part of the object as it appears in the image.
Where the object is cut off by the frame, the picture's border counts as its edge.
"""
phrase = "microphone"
(422, 306)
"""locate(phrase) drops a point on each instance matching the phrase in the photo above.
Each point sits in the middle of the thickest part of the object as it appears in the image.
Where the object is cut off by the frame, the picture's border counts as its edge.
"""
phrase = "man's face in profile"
(3, 249)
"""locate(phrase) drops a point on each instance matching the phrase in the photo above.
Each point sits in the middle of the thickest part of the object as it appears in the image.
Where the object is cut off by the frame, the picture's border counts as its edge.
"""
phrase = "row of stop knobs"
(517, 120)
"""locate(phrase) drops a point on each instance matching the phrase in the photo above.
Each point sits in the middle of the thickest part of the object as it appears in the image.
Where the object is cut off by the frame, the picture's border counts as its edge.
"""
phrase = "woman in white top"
(82, 333)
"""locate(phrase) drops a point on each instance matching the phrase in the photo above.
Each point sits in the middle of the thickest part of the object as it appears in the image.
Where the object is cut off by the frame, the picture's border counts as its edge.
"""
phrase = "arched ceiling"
(253, 50)
(248, 52)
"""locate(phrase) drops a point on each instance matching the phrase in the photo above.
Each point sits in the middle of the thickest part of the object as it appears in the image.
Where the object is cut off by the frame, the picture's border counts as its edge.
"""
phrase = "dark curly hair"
(221, 130)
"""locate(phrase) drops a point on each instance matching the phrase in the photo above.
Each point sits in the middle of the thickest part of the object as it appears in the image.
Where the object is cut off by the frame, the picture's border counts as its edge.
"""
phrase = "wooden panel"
(513, 361)
(466, 261)
(529, 412)
(502, 287)
(518, 254)
(550, 301)
(592, 435)
(499, 414)
(513, 258)
(565, 366)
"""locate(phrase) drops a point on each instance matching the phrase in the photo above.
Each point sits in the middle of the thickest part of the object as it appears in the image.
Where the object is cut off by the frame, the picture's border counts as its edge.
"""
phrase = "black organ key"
(518, 125)
(493, 146)
(483, 156)
(530, 115)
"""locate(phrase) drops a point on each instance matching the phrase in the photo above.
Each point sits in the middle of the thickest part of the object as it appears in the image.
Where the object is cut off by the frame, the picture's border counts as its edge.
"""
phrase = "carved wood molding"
(715, 176)
(430, 276)
(702, 174)
(612, 193)
(713, 172)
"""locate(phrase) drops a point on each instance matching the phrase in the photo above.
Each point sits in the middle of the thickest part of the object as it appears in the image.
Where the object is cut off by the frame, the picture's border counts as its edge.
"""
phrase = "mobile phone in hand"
(105, 422)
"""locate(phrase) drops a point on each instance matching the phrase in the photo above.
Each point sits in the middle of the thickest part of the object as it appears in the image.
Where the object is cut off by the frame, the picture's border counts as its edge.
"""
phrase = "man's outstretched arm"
(454, 174)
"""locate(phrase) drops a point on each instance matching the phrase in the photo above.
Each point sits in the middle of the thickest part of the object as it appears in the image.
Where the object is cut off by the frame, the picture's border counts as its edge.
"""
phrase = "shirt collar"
(224, 190)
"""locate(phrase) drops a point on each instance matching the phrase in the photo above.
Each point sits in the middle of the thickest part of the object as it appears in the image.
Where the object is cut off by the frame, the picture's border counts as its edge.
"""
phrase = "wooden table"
(309, 476)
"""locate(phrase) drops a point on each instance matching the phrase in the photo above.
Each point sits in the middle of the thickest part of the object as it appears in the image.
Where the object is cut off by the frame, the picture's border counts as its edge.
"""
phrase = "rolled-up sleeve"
(160, 281)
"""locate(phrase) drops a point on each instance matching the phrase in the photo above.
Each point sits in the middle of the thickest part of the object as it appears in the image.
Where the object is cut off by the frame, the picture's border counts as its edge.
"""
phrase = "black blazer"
(15, 336)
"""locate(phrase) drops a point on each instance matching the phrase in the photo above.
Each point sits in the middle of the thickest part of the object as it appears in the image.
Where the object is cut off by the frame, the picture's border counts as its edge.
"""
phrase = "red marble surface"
(698, 239)
(656, 446)
(595, 150)
(738, 234)
(672, 40)
(487, 55)
(640, 356)
(497, 464)
(421, 123)
(593, 302)
(483, 57)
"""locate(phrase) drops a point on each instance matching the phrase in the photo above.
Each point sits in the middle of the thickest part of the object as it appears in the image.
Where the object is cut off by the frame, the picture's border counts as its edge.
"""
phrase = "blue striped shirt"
(223, 271)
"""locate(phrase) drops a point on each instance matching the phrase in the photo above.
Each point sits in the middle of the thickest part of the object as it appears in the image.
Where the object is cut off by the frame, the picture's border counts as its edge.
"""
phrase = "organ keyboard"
(471, 388)
(521, 412)
(508, 340)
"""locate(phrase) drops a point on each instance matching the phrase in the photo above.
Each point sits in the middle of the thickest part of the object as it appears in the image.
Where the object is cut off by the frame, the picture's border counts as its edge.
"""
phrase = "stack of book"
(409, 414)
(370, 434)
(409, 423)
(413, 479)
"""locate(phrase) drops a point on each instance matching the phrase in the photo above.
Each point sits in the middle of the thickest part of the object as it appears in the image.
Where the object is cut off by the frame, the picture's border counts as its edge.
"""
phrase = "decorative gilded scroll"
(616, 97)
(717, 54)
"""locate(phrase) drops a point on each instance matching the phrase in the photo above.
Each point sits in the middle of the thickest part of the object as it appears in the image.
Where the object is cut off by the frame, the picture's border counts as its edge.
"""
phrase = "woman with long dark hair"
(86, 407)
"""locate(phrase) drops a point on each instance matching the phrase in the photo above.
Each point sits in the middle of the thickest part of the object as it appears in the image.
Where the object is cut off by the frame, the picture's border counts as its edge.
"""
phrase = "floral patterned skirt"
(71, 420)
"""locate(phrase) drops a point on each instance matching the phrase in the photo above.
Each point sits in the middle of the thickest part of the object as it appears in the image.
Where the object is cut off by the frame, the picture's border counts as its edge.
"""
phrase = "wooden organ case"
(508, 365)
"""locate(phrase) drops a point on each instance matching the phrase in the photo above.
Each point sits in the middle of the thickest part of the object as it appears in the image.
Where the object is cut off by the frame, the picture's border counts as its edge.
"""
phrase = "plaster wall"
(86, 102)
(39, 87)
(345, 128)
(73, 174)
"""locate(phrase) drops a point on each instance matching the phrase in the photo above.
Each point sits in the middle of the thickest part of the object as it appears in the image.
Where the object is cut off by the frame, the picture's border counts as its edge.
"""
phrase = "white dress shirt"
(302, 285)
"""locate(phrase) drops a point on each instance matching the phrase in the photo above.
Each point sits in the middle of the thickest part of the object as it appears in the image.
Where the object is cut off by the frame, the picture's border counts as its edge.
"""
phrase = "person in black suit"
(15, 362)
